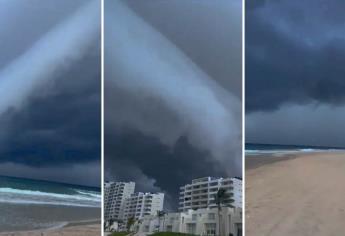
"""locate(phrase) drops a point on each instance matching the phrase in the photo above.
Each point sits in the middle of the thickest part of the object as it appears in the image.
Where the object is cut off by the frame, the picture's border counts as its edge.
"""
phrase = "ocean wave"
(37, 202)
(287, 151)
(89, 193)
(57, 195)
(23, 196)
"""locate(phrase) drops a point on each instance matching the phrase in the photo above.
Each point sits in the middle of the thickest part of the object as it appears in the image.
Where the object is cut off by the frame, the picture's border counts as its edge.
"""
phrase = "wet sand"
(80, 230)
(26, 217)
(300, 195)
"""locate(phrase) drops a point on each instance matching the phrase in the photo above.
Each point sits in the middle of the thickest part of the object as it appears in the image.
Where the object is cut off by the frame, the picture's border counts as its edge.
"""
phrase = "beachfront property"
(198, 213)
(141, 204)
(201, 192)
(115, 195)
(206, 221)
(121, 203)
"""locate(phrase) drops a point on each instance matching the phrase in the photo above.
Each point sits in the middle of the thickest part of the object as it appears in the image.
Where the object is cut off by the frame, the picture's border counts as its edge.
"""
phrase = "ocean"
(27, 204)
(258, 149)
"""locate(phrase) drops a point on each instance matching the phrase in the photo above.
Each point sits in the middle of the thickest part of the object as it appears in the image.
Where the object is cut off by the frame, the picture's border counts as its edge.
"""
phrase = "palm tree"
(139, 223)
(160, 214)
(221, 198)
(110, 223)
(130, 222)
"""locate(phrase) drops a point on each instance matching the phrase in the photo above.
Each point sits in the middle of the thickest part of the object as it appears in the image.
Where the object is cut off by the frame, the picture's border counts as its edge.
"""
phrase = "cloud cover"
(163, 112)
(50, 107)
(295, 52)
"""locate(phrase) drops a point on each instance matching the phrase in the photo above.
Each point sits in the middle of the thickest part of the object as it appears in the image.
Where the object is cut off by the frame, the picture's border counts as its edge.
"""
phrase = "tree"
(139, 223)
(160, 214)
(110, 223)
(130, 222)
(221, 198)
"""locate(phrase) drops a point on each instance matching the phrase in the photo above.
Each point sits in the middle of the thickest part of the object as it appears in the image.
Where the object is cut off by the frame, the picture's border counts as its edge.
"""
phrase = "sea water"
(258, 149)
(34, 204)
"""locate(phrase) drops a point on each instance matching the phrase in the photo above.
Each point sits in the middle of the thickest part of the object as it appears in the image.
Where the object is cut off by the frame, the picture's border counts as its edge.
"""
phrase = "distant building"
(195, 222)
(140, 204)
(237, 192)
(115, 195)
(201, 192)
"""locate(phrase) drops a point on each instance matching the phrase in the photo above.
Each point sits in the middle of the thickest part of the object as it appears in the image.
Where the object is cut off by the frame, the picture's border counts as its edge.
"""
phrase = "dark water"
(34, 204)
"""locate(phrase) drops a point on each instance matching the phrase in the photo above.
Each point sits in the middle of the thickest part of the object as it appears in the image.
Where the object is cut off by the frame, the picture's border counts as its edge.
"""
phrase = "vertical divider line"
(243, 118)
(102, 116)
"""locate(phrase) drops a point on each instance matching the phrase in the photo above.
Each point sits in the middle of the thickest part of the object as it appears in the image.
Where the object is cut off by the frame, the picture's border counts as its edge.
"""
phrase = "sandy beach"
(300, 195)
(78, 230)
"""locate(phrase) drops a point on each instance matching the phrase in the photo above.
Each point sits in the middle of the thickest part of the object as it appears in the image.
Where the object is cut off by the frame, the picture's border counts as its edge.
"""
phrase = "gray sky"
(172, 92)
(50, 88)
(295, 55)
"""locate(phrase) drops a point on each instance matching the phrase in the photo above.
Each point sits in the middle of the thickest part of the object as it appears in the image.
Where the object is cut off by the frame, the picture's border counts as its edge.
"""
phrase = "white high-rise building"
(143, 204)
(115, 195)
(205, 221)
(201, 192)
(236, 192)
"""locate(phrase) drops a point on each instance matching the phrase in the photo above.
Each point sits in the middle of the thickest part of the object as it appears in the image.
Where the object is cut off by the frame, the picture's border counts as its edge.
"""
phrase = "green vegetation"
(130, 222)
(170, 234)
(220, 199)
(120, 233)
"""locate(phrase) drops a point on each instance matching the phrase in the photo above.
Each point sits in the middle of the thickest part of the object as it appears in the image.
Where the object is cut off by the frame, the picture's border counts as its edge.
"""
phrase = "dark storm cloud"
(295, 52)
(59, 126)
(172, 92)
(196, 19)
(169, 167)
(50, 85)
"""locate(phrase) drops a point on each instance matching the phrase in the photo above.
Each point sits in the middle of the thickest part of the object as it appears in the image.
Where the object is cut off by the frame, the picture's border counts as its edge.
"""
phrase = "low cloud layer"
(299, 124)
(165, 115)
(295, 52)
(50, 106)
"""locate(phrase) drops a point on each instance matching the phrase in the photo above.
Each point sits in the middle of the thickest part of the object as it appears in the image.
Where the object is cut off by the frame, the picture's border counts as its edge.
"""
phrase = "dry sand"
(80, 230)
(300, 196)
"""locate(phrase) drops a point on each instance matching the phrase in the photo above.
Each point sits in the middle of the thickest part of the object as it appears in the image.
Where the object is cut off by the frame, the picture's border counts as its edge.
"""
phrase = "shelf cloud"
(50, 86)
(164, 103)
(295, 52)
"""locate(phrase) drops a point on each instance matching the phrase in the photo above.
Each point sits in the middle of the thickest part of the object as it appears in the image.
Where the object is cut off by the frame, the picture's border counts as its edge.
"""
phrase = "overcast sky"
(295, 86)
(50, 90)
(172, 92)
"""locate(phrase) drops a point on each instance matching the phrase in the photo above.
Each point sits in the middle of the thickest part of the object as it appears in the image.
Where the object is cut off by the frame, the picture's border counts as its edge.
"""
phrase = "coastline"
(26, 217)
(73, 228)
(300, 194)
(258, 160)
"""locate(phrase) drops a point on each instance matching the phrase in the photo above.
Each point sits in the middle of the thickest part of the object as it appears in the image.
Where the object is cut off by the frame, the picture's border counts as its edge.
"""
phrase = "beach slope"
(79, 230)
(301, 195)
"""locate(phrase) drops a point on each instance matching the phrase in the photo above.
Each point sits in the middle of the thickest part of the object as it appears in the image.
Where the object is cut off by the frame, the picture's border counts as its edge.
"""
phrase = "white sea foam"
(22, 196)
(89, 193)
(34, 202)
(287, 151)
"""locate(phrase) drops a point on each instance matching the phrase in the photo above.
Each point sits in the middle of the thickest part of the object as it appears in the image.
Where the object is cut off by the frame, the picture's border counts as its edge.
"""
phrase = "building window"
(210, 229)
(191, 228)
(211, 216)
(194, 216)
(169, 228)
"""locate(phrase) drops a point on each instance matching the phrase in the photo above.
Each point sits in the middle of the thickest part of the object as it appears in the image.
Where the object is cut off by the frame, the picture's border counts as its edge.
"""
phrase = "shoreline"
(255, 160)
(26, 217)
(299, 194)
(72, 228)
